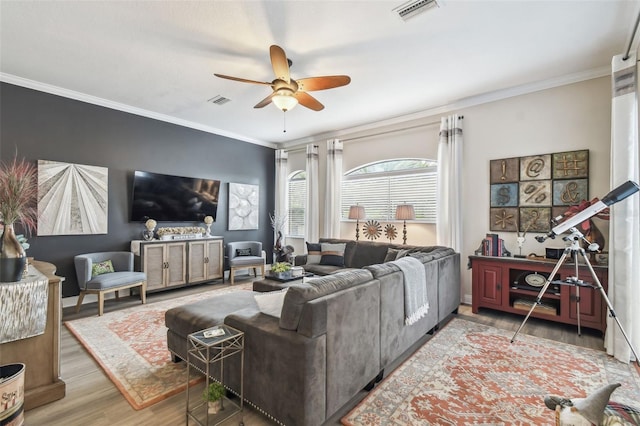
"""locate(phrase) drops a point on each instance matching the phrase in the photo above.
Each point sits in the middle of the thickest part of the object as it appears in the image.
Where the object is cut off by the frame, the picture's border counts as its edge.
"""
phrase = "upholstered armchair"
(100, 273)
(245, 255)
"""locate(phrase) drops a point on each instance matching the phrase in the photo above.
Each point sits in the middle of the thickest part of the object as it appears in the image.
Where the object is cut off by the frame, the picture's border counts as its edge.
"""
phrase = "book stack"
(492, 245)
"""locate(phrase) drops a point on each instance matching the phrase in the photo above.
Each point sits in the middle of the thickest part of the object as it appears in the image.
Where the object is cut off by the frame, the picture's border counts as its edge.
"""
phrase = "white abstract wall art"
(243, 206)
(72, 199)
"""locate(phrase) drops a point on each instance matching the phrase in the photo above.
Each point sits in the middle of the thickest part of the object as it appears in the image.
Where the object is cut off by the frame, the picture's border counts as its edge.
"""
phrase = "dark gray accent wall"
(41, 126)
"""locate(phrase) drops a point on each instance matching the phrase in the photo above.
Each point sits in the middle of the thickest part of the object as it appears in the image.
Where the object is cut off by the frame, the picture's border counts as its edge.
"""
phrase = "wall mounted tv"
(173, 198)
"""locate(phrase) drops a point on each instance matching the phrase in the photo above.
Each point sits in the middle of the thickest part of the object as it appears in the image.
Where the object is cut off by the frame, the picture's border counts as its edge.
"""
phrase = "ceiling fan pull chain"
(284, 121)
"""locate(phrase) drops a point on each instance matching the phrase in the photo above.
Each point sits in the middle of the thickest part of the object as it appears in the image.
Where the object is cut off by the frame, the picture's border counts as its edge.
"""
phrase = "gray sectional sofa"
(335, 335)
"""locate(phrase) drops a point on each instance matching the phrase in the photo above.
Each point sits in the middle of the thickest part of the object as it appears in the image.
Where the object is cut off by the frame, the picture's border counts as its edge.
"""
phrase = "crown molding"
(457, 105)
(71, 94)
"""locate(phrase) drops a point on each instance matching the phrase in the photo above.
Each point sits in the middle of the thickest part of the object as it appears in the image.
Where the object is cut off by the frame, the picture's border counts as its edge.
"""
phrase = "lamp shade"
(356, 212)
(405, 212)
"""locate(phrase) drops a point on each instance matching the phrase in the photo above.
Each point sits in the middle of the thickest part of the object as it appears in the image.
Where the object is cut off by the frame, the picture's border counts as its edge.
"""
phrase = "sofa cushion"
(114, 279)
(298, 295)
(349, 251)
(369, 253)
(270, 303)
(332, 254)
(314, 253)
(322, 269)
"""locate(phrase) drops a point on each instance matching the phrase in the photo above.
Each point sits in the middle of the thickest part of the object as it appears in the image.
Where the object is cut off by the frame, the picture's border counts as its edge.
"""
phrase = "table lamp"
(357, 212)
(405, 212)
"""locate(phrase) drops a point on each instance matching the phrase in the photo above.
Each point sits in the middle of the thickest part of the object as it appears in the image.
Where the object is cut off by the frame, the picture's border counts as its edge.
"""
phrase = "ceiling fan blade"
(266, 101)
(279, 63)
(308, 101)
(322, 83)
(243, 80)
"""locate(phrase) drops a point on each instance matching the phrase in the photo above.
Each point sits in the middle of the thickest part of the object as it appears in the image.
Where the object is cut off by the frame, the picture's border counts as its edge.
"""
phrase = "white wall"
(567, 118)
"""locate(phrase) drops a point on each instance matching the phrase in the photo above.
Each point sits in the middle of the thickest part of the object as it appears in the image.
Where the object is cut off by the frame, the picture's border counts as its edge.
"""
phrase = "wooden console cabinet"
(41, 354)
(175, 263)
(498, 283)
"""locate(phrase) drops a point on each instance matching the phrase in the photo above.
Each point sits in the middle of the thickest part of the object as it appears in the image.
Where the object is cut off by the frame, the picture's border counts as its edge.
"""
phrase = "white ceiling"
(157, 58)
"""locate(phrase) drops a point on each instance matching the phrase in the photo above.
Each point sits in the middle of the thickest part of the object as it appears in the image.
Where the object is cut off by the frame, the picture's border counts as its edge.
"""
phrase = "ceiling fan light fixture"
(284, 102)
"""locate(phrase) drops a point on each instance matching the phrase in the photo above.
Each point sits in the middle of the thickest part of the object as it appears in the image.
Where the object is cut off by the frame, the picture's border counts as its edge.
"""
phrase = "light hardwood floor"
(92, 399)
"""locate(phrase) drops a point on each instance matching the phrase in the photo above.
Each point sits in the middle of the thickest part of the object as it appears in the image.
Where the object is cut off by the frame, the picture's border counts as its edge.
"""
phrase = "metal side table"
(212, 346)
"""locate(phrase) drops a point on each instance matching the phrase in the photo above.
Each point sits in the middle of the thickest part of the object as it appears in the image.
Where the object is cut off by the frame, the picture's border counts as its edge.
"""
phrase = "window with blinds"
(381, 186)
(297, 201)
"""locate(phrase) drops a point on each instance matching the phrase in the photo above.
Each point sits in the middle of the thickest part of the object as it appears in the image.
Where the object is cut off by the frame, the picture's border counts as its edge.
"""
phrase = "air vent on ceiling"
(412, 8)
(219, 100)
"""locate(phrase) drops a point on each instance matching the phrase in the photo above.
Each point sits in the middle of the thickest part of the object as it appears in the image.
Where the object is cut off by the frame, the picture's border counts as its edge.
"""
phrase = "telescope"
(620, 193)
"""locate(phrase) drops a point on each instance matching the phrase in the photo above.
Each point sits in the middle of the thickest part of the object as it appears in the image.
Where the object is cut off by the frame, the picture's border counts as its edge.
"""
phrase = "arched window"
(297, 201)
(381, 186)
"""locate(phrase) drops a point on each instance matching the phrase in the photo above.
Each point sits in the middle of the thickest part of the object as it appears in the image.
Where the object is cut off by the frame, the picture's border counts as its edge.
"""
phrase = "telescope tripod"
(574, 249)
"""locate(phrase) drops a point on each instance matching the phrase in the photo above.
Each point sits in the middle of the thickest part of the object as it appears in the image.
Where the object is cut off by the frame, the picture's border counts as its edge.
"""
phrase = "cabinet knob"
(498, 287)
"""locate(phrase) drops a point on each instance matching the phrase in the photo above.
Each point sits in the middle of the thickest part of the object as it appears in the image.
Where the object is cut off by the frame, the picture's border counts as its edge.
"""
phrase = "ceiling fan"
(287, 92)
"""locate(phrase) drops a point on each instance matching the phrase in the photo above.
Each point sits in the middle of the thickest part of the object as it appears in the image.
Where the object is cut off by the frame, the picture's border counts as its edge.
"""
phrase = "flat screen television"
(173, 198)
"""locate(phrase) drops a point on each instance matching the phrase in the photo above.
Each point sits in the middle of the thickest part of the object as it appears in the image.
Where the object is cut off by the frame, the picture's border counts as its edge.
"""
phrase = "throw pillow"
(332, 254)
(270, 303)
(101, 268)
(243, 252)
(314, 253)
(392, 254)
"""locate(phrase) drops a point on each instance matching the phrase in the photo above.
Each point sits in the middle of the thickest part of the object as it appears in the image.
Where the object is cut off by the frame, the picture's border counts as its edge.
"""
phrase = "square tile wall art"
(243, 206)
(526, 192)
(72, 199)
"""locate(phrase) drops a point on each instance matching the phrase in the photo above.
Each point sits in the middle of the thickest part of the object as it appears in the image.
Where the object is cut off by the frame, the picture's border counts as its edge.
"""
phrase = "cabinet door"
(590, 305)
(490, 285)
(176, 263)
(214, 259)
(154, 265)
(197, 261)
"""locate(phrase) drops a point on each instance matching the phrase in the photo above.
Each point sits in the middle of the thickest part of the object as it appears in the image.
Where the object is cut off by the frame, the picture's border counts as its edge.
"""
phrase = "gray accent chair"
(237, 260)
(124, 276)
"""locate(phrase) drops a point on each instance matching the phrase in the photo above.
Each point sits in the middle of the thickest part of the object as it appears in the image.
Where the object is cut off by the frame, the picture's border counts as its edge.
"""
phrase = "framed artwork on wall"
(526, 192)
(72, 199)
(243, 206)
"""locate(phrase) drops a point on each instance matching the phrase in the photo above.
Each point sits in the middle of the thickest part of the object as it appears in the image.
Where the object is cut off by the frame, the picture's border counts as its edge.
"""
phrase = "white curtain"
(449, 193)
(333, 189)
(282, 192)
(312, 207)
(624, 227)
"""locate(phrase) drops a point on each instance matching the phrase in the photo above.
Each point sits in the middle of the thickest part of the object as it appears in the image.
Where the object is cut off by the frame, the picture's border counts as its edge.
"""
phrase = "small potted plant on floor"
(213, 395)
(281, 270)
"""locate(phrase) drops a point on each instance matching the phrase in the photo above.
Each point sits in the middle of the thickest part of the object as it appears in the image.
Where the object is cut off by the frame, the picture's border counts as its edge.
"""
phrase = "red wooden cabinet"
(499, 283)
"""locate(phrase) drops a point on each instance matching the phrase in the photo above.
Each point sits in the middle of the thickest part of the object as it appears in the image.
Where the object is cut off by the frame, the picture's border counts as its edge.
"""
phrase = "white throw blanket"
(416, 304)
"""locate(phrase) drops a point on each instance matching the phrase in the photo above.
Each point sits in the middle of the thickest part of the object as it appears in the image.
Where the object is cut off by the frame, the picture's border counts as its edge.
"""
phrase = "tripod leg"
(612, 312)
(542, 291)
(575, 262)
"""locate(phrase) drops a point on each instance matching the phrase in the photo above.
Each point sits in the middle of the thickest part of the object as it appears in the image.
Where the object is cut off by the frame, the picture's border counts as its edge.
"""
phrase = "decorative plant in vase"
(213, 395)
(18, 193)
(281, 270)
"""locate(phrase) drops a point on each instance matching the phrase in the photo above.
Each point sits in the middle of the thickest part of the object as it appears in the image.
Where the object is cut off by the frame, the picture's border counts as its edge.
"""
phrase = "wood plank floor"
(92, 399)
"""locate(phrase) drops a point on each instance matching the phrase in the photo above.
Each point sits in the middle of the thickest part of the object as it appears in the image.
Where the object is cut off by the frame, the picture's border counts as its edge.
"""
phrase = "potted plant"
(281, 270)
(213, 395)
(18, 192)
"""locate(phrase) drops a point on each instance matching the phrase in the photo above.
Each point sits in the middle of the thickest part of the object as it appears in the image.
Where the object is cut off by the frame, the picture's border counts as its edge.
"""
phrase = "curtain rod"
(431, 123)
(633, 35)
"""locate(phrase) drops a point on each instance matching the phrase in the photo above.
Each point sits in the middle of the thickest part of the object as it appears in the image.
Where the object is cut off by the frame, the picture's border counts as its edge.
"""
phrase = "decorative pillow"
(101, 268)
(332, 254)
(314, 253)
(403, 253)
(392, 254)
(243, 252)
(270, 303)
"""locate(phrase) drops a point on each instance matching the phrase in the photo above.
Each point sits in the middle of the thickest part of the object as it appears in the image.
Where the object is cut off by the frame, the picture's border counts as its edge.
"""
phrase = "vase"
(12, 256)
(147, 234)
(214, 407)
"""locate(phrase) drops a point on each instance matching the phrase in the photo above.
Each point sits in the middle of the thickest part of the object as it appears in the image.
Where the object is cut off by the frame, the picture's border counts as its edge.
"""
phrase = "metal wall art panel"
(526, 192)
(243, 206)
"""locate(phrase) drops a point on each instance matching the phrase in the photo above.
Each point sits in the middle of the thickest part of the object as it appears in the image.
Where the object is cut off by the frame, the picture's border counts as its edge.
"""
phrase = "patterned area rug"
(131, 346)
(470, 374)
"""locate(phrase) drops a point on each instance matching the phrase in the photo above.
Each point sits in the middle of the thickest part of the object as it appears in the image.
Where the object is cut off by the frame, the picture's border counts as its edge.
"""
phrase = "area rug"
(470, 374)
(131, 346)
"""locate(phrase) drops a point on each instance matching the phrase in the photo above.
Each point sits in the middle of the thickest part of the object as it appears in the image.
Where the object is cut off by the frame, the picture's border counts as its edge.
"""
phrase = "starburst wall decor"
(390, 232)
(372, 229)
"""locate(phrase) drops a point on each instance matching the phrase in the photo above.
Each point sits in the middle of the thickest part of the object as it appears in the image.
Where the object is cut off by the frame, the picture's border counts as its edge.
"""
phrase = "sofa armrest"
(284, 372)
